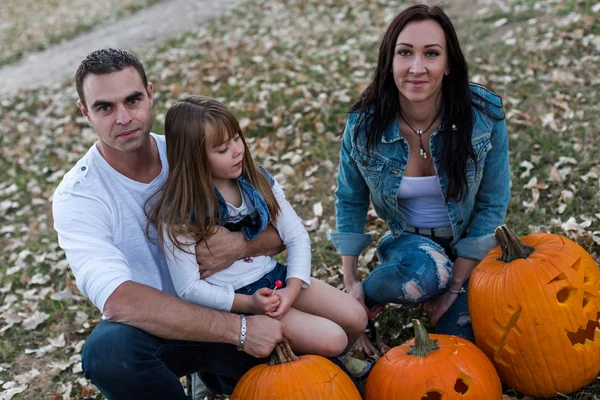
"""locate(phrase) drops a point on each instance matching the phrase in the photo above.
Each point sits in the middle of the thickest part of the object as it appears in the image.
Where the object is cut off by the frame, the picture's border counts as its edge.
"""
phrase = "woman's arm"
(352, 201)
(491, 200)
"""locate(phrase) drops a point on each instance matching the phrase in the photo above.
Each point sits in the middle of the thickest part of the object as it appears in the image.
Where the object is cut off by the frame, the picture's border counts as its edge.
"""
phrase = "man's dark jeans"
(127, 363)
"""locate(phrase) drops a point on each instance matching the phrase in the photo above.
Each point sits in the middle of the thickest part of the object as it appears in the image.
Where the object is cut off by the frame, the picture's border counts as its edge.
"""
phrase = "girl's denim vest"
(376, 177)
(253, 225)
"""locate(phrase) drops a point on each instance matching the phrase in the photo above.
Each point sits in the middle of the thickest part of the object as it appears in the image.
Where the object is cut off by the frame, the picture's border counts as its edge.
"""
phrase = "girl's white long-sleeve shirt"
(218, 290)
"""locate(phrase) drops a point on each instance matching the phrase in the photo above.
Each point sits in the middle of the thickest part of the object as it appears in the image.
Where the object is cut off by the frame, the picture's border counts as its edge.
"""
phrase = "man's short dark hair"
(106, 61)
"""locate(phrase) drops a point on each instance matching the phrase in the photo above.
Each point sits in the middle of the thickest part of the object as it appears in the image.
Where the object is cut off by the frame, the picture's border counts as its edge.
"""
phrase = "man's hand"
(219, 251)
(263, 333)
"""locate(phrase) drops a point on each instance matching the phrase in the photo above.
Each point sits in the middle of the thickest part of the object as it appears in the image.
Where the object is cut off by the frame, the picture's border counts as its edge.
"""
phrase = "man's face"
(119, 108)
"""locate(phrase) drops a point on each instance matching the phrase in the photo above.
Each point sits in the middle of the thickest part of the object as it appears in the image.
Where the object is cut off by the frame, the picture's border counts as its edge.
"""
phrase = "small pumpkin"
(535, 305)
(436, 367)
(288, 377)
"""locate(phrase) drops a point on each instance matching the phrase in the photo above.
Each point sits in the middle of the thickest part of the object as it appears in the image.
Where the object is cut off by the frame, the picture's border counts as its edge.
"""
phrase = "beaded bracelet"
(242, 333)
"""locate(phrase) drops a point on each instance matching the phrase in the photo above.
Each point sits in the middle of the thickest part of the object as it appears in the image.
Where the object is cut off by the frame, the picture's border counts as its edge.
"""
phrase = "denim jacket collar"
(258, 201)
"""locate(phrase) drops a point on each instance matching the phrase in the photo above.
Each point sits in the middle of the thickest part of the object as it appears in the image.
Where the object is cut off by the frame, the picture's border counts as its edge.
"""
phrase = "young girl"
(213, 182)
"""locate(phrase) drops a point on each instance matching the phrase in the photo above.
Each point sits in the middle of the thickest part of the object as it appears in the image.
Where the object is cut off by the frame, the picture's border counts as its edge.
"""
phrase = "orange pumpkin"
(288, 377)
(445, 368)
(534, 307)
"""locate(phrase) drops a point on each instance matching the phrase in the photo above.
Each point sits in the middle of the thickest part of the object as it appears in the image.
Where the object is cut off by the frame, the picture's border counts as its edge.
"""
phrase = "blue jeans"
(413, 270)
(127, 363)
(268, 280)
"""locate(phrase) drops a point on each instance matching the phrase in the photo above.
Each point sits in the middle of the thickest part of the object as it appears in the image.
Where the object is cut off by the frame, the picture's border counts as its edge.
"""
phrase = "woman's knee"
(421, 272)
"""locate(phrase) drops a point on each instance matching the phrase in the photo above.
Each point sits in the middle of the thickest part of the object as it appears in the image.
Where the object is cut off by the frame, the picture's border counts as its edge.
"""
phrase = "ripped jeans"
(413, 270)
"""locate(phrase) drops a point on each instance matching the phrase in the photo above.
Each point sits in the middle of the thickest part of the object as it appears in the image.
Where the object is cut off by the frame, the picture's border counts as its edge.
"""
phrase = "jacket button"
(83, 168)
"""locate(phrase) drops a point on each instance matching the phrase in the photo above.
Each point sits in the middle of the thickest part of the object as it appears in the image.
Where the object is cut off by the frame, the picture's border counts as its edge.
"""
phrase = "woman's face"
(420, 61)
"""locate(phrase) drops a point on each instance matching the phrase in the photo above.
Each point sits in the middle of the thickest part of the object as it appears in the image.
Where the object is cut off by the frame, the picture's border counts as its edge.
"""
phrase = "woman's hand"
(364, 345)
(357, 291)
(438, 306)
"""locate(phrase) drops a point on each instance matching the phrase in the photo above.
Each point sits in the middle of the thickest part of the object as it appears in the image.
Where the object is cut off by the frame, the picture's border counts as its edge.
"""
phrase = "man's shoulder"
(79, 176)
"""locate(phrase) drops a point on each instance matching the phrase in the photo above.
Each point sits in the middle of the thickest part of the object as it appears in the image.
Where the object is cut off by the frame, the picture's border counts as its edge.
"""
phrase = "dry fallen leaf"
(35, 320)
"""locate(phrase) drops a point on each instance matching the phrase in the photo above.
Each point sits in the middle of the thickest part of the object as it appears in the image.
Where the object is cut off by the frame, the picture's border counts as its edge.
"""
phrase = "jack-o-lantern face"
(445, 368)
(535, 308)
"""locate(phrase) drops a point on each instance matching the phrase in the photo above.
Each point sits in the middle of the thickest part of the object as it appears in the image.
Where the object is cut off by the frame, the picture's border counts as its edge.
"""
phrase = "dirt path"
(155, 23)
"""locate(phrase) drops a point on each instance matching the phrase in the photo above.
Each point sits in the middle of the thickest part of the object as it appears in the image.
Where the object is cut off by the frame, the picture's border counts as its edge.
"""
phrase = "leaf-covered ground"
(290, 70)
(30, 25)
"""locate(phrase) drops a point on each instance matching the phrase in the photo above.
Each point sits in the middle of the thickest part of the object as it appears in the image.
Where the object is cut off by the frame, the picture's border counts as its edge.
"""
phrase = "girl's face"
(420, 61)
(225, 159)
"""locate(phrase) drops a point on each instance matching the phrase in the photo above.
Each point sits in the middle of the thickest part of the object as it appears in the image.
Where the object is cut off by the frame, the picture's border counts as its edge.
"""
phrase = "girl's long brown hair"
(186, 205)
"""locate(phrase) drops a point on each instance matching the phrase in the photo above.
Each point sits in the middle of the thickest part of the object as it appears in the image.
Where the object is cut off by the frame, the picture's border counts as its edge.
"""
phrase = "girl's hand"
(264, 301)
(437, 307)
(286, 296)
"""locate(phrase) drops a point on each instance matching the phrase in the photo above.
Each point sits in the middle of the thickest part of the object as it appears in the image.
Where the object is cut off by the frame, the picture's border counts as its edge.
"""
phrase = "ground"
(290, 70)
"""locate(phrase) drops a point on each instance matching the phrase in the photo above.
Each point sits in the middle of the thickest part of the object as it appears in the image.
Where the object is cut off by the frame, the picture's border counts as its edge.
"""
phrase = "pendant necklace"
(419, 133)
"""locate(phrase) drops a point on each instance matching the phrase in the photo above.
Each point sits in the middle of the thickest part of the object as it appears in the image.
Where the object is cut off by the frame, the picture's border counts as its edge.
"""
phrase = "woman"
(430, 151)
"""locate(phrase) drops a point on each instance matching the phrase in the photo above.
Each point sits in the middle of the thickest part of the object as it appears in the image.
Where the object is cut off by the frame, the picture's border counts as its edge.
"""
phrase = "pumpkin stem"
(512, 247)
(282, 354)
(423, 343)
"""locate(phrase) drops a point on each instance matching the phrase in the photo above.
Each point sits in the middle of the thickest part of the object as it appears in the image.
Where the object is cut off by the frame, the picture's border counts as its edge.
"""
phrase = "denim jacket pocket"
(475, 171)
(370, 166)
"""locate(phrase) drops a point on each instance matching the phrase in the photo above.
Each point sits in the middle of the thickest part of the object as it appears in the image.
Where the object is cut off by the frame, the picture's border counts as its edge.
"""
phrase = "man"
(149, 337)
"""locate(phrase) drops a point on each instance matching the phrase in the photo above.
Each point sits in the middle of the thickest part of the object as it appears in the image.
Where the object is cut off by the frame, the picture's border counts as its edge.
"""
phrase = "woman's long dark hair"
(379, 104)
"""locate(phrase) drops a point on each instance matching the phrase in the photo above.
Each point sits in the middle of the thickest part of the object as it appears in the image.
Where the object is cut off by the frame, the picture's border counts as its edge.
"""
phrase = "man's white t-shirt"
(101, 225)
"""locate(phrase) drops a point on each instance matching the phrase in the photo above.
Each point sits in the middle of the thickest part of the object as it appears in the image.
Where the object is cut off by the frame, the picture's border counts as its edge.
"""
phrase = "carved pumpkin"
(445, 368)
(534, 308)
(288, 377)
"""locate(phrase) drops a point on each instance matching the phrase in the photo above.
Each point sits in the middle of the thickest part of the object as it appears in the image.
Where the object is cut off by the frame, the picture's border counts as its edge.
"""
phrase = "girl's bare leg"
(314, 334)
(328, 302)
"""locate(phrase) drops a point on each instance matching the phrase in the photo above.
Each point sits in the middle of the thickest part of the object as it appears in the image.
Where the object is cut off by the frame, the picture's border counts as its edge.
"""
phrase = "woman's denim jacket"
(376, 176)
(260, 221)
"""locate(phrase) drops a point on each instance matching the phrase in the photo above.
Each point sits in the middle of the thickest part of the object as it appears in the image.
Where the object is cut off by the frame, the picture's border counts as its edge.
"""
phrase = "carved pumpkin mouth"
(583, 334)
(432, 396)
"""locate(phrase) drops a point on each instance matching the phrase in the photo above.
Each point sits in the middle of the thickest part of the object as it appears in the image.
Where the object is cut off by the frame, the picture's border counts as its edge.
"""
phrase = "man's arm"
(168, 317)
(223, 248)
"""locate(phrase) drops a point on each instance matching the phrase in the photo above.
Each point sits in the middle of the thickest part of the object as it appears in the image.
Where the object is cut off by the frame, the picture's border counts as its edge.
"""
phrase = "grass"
(316, 58)
(24, 31)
